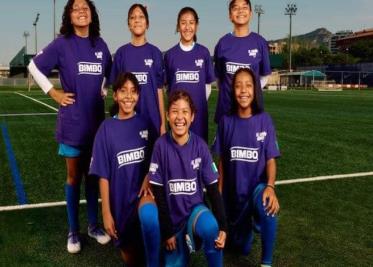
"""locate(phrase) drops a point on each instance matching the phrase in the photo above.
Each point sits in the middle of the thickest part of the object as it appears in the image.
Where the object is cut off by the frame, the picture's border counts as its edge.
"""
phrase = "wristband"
(271, 186)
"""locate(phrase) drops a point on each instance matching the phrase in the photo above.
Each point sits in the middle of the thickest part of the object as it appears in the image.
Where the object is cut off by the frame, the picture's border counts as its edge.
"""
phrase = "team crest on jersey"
(144, 134)
(99, 55)
(252, 52)
(232, 67)
(199, 62)
(148, 62)
(90, 68)
(187, 76)
(132, 156)
(153, 167)
(196, 163)
(142, 77)
(248, 154)
(261, 136)
(182, 186)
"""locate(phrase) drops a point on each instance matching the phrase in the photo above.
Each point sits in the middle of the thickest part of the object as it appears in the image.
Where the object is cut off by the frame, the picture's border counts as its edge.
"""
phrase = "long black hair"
(67, 29)
(183, 11)
(255, 105)
(121, 79)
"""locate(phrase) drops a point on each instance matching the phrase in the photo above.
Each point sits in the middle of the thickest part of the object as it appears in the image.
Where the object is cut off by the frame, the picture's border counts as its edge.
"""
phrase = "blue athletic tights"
(268, 228)
(148, 214)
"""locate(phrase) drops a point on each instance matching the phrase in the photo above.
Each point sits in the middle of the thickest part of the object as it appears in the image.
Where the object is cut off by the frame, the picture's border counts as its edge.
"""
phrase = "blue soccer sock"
(72, 194)
(91, 194)
(148, 214)
(268, 225)
(207, 229)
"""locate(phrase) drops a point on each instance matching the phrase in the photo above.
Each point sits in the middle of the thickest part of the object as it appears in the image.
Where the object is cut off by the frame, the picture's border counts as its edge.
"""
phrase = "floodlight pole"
(26, 34)
(290, 10)
(259, 10)
(36, 33)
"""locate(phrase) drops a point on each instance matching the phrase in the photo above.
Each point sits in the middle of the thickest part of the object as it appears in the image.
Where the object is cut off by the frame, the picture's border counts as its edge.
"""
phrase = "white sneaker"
(73, 243)
(99, 234)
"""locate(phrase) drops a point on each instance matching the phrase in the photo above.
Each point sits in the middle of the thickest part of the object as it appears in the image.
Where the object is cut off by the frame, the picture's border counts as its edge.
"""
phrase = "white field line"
(26, 114)
(290, 181)
(37, 101)
(323, 178)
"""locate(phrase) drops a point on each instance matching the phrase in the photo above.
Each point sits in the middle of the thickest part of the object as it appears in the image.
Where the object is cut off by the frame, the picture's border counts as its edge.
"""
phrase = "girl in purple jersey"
(189, 67)
(120, 158)
(247, 147)
(239, 49)
(181, 167)
(84, 62)
(145, 61)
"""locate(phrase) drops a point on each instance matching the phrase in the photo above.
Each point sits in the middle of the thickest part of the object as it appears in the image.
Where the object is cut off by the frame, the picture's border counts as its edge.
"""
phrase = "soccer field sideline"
(281, 182)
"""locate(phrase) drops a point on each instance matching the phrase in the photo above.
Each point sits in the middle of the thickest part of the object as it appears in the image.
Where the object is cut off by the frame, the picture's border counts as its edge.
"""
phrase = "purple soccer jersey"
(82, 69)
(232, 53)
(244, 145)
(183, 171)
(120, 156)
(146, 63)
(191, 71)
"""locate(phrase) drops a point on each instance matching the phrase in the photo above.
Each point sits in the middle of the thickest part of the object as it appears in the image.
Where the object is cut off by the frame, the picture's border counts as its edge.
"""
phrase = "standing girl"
(181, 167)
(247, 146)
(144, 60)
(83, 61)
(239, 49)
(120, 158)
(189, 66)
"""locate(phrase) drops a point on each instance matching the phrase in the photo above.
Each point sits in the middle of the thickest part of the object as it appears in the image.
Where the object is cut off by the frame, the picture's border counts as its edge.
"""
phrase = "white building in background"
(4, 71)
(335, 37)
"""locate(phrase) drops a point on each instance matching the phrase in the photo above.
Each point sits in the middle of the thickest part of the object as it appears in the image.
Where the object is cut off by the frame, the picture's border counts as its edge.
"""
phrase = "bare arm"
(270, 200)
(61, 97)
(106, 213)
(162, 111)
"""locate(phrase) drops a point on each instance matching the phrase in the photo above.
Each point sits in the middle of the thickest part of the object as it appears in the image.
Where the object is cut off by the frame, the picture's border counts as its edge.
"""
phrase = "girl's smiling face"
(180, 117)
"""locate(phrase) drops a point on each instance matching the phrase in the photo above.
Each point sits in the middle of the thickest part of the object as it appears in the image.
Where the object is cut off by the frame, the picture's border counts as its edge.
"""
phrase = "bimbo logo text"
(244, 154)
(187, 76)
(182, 186)
(142, 77)
(89, 68)
(130, 156)
(232, 67)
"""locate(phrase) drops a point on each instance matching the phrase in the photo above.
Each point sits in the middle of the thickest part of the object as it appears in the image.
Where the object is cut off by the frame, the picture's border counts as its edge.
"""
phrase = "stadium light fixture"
(259, 10)
(26, 34)
(290, 10)
(36, 33)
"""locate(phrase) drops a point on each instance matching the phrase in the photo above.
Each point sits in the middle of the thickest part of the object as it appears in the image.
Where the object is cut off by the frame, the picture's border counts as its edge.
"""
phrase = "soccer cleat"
(73, 242)
(99, 234)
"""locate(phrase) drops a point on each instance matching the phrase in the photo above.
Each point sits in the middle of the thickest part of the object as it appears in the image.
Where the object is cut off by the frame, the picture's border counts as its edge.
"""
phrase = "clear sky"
(17, 16)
